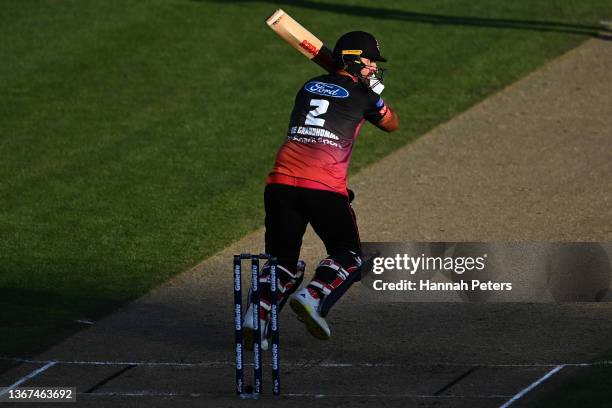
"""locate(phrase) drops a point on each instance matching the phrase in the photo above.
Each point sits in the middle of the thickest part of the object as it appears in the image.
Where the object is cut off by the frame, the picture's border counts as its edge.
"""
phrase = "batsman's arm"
(389, 121)
(325, 59)
(380, 114)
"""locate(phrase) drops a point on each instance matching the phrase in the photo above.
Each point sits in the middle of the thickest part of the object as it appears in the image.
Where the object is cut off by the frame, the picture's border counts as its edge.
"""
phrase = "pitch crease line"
(227, 363)
(149, 393)
(531, 386)
(27, 377)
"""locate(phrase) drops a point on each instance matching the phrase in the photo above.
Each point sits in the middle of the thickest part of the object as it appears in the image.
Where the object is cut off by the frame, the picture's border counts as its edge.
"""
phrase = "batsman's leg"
(287, 283)
(333, 277)
(334, 222)
(285, 227)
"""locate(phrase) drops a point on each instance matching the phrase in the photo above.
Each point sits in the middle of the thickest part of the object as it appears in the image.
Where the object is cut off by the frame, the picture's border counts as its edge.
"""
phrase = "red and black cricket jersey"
(327, 115)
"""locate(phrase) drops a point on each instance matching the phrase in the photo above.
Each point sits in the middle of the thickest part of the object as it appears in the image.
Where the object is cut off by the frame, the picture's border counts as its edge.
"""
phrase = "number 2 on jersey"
(321, 106)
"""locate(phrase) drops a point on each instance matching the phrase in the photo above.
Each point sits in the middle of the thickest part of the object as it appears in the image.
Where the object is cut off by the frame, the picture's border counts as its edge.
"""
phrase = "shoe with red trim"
(305, 304)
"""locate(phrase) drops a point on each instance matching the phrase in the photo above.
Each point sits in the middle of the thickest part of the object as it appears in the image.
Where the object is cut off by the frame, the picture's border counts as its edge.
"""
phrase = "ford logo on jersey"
(325, 89)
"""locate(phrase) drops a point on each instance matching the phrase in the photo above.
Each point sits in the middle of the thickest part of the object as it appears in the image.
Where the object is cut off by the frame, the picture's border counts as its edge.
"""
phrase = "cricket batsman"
(307, 184)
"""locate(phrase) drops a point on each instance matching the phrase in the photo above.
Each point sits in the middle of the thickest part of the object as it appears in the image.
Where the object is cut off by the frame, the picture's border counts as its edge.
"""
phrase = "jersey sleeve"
(375, 109)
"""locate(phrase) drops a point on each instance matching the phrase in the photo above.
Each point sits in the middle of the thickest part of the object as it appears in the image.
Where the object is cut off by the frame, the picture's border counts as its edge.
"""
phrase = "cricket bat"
(308, 44)
(301, 39)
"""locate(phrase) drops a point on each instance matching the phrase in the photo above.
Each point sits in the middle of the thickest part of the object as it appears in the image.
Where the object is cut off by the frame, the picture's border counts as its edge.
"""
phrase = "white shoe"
(248, 332)
(306, 307)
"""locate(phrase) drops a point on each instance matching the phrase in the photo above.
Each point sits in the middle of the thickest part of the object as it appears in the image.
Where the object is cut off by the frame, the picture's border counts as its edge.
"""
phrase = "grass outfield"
(135, 135)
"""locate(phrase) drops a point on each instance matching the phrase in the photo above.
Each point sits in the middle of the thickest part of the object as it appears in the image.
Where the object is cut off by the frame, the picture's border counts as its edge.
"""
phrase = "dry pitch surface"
(532, 163)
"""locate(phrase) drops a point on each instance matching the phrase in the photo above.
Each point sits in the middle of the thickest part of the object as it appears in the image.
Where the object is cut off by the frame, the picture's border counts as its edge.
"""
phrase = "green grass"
(135, 136)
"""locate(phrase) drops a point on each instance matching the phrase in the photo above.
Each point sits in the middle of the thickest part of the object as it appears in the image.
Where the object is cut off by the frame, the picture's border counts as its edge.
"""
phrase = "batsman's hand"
(376, 85)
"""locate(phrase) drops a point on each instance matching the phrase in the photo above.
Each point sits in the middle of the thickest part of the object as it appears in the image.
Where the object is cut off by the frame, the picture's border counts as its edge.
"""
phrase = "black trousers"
(290, 209)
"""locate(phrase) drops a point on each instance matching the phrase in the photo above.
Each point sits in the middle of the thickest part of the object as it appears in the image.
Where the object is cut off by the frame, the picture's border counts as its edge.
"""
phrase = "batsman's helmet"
(359, 44)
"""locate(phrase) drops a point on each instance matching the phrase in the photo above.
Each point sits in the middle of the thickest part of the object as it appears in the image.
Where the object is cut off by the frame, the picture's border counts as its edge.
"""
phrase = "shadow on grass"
(42, 300)
(183, 326)
(439, 19)
(33, 298)
(32, 320)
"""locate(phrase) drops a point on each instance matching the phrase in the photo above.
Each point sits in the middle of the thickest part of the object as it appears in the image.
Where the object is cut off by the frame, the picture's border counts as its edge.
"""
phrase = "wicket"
(239, 337)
